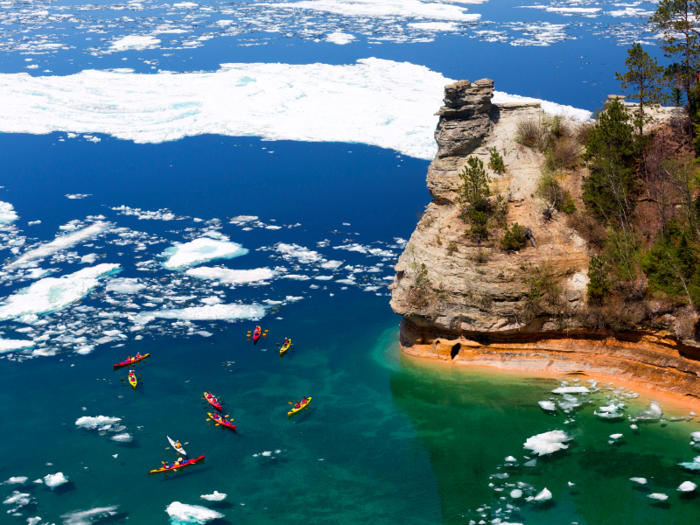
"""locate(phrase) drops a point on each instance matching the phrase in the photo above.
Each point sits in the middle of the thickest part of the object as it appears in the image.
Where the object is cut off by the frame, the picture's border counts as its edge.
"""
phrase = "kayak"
(257, 334)
(177, 448)
(134, 360)
(215, 404)
(286, 347)
(133, 380)
(303, 406)
(220, 420)
(181, 465)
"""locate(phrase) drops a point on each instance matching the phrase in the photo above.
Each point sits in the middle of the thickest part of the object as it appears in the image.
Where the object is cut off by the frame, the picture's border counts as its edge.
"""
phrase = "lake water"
(298, 235)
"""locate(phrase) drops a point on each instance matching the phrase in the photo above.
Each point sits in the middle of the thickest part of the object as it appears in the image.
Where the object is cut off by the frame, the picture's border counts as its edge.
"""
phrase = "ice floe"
(180, 513)
(15, 480)
(218, 312)
(135, 42)
(86, 517)
(63, 242)
(55, 480)
(641, 481)
(227, 276)
(658, 496)
(10, 345)
(97, 423)
(692, 465)
(548, 442)
(687, 486)
(51, 294)
(544, 495)
(299, 102)
(340, 38)
(124, 285)
(384, 9)
(215, 496)
(571, 390)
(7, 213)
(200, 251)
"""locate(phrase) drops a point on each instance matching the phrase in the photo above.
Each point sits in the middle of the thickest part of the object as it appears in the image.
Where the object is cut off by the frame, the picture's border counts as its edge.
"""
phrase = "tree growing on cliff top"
(475, 183)
(677, 23)
(642, 79)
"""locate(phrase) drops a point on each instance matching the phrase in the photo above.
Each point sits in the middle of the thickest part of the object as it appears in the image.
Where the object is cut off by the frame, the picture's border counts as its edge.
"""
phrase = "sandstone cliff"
(477, 307)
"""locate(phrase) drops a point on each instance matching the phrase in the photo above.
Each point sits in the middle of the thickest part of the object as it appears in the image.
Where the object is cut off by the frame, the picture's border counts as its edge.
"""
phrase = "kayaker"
(297, 405)
(304, 401)
(138, 355)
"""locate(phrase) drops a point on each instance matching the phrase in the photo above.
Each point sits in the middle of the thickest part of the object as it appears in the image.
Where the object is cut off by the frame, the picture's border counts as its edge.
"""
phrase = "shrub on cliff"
(496, 161)
(514, 238)
(598, 288)
(475, 183)
(530, 133)
(557, 198)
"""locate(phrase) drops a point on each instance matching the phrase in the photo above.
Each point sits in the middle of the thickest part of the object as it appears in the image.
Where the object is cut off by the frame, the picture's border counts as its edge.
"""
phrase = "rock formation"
(475, 304)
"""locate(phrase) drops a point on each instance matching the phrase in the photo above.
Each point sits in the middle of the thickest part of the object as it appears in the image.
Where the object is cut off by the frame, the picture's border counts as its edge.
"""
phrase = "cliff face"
(475, 303)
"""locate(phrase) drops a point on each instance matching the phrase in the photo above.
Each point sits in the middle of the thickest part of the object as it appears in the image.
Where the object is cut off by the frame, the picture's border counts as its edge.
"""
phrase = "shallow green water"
(387, 439)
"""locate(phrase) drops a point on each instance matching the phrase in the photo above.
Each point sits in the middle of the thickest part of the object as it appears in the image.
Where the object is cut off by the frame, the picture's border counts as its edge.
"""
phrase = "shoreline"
(668, 399)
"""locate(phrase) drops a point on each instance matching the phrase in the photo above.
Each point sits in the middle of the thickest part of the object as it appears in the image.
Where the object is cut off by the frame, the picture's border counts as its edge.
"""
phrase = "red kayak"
(175, 467)
(131, 361)
(211, 399)
(257, 334)
(220, 420)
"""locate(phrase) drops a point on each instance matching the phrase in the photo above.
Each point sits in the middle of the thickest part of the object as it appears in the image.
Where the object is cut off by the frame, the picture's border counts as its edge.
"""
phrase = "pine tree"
(676, 21)
(475, 182)
(643, 76)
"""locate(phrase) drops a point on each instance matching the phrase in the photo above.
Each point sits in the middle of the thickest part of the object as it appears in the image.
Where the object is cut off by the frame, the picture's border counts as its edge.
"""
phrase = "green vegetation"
(496, 161)
(514, 238)
(643, 76)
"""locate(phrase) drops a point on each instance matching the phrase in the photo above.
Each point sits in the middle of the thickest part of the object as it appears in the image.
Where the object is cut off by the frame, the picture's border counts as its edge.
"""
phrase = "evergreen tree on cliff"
(677, 23)
(642, 78)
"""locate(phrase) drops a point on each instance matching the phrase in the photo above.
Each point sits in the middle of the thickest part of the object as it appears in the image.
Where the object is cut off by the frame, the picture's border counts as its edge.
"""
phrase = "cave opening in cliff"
(455, 350)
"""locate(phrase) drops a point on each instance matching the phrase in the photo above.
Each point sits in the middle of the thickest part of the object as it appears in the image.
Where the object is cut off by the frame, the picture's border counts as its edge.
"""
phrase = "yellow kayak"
(301, 407)
(286, 347)
(133, 381)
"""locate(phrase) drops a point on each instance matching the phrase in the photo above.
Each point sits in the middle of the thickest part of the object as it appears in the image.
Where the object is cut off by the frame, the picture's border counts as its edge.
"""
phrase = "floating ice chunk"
(18, 498)
(641, 481)
(186, 5)
(54, 480)
(242, 220)
(52, 294)
(615, 436)
(63, 242)
(115, 456)
(89, 258)
(545, 495)
(658, 496)
(33, 521)
(7, 213)
(96, 423)
(301, 254)
(548, 442)
(610, 411)
(124, 285)
(78, 196)
(571, 390)
(373, 8)
(200, 251)
(695, 436)
(692, 465)
(435, 26)
(634, 427)
(331, 265)
(651, 413)
(516, 493)
(86, 517)
(687, 486)
(135, 42)
(10, 345)
(511, 459)
(547, 405)
(16, 480)
(123, 438)
(216, 496)
(340, 38)
(218, 312)
(180, 514)
(224, 275)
